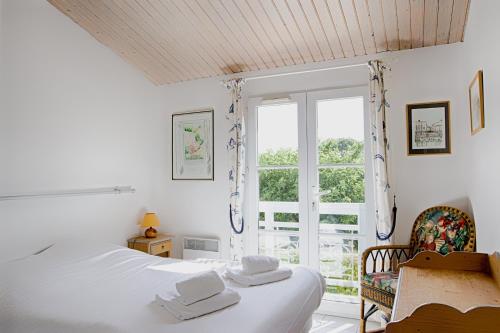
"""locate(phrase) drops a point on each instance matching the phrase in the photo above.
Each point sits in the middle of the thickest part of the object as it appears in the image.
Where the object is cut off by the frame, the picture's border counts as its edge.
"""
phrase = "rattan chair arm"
(369, 250)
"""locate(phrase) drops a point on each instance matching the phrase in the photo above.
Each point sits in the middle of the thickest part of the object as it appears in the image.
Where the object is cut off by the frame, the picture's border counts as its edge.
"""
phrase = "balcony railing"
(339, 242)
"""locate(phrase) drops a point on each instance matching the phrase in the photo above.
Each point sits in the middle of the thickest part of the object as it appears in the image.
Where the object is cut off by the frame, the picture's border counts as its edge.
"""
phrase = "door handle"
(317, 195)
(322, 193)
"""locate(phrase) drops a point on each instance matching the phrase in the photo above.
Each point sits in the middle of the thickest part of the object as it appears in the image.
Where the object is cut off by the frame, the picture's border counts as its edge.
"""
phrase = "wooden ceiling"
(179, 40)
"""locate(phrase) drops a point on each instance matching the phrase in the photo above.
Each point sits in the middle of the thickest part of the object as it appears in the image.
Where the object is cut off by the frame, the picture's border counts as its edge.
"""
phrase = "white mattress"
(81, 286)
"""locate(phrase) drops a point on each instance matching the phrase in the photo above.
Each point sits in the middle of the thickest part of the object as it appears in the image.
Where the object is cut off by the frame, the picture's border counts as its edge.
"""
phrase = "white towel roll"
(220, 301)
(236, 275)
(258, 264)
(199, 287)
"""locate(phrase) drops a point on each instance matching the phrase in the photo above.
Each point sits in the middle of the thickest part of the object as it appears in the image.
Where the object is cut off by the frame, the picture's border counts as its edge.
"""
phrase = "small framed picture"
(193, 145)
(476, 103)
(428, 126)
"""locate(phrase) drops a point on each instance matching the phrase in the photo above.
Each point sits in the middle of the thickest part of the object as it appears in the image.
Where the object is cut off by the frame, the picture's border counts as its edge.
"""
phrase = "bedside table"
(161, 245)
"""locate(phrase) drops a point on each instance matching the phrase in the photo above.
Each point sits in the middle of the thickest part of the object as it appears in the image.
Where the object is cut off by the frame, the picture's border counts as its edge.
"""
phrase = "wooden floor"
(330, 324)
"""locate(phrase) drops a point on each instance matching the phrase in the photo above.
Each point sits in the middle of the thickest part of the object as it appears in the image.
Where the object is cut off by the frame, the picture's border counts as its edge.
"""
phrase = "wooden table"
(161, 245)
(456, 293)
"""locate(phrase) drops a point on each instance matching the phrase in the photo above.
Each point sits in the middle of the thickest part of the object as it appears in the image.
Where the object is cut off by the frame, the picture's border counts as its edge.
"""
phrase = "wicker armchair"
(441, 228)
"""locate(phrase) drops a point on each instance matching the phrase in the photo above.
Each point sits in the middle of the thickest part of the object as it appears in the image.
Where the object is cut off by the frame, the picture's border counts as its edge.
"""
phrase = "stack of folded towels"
(199, 295)
(257, 270)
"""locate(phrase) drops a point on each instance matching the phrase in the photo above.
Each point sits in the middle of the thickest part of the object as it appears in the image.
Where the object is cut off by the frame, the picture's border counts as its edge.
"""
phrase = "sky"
(337, 118)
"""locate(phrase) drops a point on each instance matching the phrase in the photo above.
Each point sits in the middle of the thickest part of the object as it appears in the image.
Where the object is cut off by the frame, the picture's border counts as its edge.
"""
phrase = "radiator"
(195, 248)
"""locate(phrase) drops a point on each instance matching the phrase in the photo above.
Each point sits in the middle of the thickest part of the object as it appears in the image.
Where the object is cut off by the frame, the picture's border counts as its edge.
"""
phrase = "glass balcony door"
(339, 193)
(278, 179)
(309, 188)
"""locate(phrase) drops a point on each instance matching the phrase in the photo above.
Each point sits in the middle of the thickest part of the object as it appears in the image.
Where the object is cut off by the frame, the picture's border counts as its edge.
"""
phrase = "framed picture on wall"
(428, 127)
(193, 145)
(476, 103)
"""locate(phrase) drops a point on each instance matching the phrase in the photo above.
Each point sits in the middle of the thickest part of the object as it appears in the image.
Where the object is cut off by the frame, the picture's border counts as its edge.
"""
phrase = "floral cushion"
(442, 230)
(387, 281)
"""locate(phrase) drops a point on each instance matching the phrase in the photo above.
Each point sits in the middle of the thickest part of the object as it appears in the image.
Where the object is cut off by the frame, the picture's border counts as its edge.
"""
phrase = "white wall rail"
(69, 193)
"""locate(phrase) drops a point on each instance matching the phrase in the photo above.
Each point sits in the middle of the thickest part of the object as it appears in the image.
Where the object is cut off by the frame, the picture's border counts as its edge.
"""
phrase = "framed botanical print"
(193, 145)
(428, 126)
(476, 103)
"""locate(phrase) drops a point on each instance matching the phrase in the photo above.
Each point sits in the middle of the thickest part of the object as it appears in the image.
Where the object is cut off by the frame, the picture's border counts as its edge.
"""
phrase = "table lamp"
(149, 221)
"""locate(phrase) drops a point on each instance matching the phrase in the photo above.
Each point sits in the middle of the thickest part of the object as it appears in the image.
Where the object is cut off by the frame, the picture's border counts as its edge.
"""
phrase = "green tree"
(346, 183)
(343, 150)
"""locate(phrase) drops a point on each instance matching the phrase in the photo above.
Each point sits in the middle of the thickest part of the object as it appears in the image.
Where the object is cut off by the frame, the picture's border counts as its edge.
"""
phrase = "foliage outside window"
(341, 170)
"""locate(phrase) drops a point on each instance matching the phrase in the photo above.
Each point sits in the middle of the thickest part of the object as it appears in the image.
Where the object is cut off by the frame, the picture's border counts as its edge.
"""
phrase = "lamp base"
(150, 233)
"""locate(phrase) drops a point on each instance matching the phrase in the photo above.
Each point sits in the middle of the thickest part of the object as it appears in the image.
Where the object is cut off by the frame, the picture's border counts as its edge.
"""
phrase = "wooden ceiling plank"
(117, 17)
(430, 22)
(262, 33)
(377, 16)
(248, 32)
(107, 38)
(304, 27)
(458, 20)
(110, 19)
(340, 23)
(234, 28)
(275, 18)
(234, 61)
(330, 30)
(192, 48)
(261, 19)
(351, 18)
(178, 40)
(236, 45)
(417, 11)
(139, 19)
(291, 26)
(103, 24)
(187, 36)
(404, 23)
(444, 21)
(365, 25)
(389, 12)
(318, 30)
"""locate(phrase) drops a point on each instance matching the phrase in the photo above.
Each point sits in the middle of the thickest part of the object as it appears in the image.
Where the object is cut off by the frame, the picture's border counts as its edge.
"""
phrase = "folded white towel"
(258, 279)
(198, 287)
(258, 264)
(220, 301)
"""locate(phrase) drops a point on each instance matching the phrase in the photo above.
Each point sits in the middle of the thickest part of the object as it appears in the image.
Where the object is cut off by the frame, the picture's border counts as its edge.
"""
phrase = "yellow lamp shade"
(150, 220)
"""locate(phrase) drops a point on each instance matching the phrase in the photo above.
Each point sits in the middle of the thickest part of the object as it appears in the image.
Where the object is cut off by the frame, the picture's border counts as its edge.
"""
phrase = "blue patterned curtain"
(236, 174)
(380, 152)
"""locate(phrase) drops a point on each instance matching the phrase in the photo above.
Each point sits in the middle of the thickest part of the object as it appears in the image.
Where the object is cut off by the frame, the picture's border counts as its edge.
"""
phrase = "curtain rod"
(66, 193)
(304, 71)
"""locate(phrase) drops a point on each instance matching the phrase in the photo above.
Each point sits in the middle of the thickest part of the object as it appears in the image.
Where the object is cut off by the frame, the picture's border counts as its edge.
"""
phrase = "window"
(310, 186)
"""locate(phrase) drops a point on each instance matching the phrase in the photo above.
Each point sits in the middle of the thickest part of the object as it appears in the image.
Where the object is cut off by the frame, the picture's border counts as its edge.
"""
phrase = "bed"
(85, 286)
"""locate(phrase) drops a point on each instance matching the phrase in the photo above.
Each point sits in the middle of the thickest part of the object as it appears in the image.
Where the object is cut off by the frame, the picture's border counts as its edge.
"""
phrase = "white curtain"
(380, 151)
(236, 152)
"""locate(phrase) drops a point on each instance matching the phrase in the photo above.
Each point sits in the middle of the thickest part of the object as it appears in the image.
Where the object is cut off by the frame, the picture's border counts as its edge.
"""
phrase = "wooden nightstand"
(161, 245)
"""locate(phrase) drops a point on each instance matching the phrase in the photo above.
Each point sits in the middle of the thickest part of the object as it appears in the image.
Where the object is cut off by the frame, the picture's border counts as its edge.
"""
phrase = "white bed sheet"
(82, 286)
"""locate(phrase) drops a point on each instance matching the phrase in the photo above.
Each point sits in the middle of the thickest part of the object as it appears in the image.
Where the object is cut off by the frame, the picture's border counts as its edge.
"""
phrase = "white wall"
(72, 115)
(422, 75)
(482, 158)
(420, 182)
(200, 207)
(468, 178)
